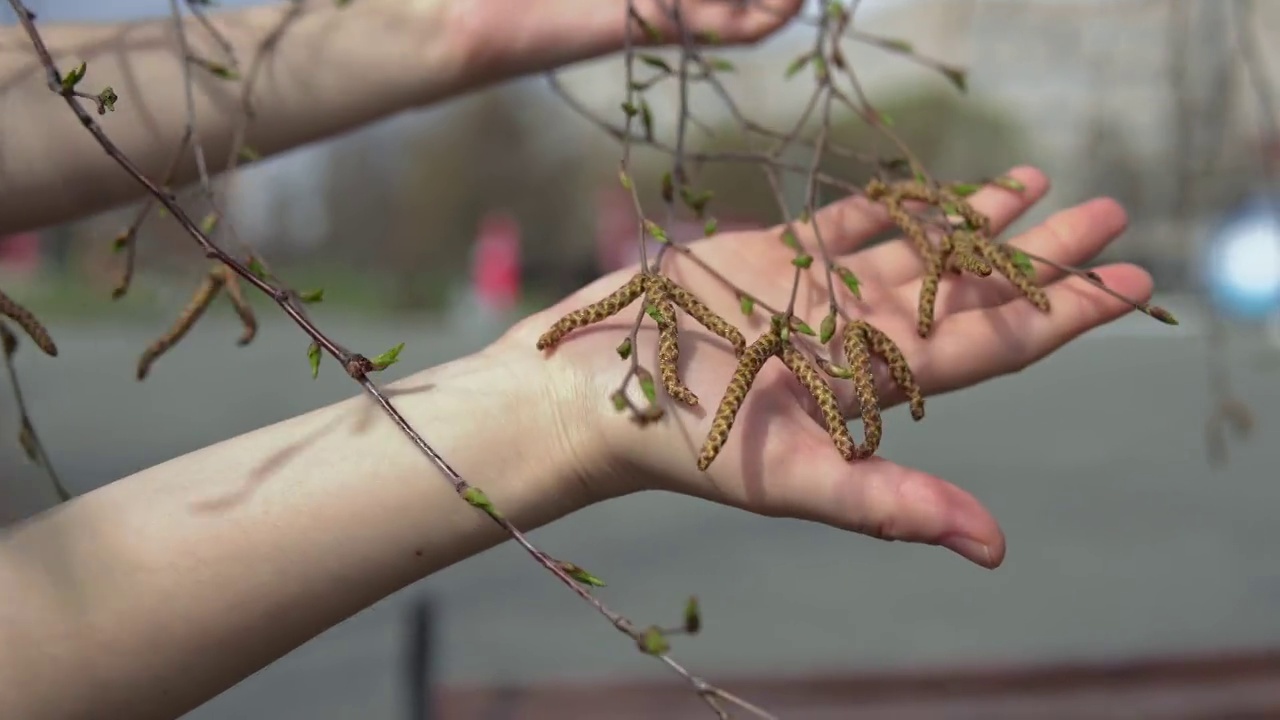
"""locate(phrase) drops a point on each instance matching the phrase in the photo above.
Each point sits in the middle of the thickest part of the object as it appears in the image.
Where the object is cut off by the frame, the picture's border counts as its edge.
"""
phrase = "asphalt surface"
(1122, 541)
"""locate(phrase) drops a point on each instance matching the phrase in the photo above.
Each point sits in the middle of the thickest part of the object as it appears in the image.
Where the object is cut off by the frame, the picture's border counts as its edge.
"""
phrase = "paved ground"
(1120, 538)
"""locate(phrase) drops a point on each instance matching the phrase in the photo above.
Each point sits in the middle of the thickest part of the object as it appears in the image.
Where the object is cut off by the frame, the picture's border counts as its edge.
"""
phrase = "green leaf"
(850, 281)
(650, 32)
(1160, 314)
(828, 329)
(692, 616)
(803, 261)
(619, 401)
(801, 327)
(652, 311)
(653, 642)
(120, 242)
(655, 62)
(387, 358)
(625, 179)
(721, 65)
(1022, 262)
(222, 71)
(108, 99)
(897, 45)
(255, 267)
(798, 64)
(647, 385)
(957, 77)
(477, 498)
(710, 227)
(747, 303)
(312, 296)
(313, 357)
(646, 119)
(789, 239)
(964, 189)
(580, 575)
(209, 223)
(820, 68)
(656, 231)
(624, 349)
(629, 109)
(73, 78)
(248, 154)
(1009, 183)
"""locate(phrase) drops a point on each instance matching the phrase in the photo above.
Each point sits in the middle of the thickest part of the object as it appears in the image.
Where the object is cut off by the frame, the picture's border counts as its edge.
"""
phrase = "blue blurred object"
(1241, 263)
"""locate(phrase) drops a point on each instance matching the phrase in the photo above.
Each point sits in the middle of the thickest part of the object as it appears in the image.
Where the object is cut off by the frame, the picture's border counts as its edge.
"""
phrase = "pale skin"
(154, 593)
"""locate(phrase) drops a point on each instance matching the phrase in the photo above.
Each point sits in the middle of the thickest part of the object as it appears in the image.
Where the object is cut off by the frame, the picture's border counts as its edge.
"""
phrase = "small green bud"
(107, 97)
(624, 349)
(747, 303)
(478, 499)
(312, 296)
(710, 227)
(647, 385)
(850, 280)
(720, 65)
(255, 267)
(801, 327)
(209, 223)
(653, 642)
(619, 400)
(798, 64)
(668, 188)
(1009, 183)
(313, 357)
(73, 78)
(656, 231)
(828, 329)
(964, 189)
(789, 239)
(802, 261)
(388, 358)
(692, 616)
(625, 179)
(580, 575)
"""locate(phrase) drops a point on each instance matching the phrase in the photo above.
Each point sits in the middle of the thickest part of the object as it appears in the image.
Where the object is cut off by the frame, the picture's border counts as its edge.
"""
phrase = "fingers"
(1071, 237)
(898, 262)
(876, 497)
(981, 344)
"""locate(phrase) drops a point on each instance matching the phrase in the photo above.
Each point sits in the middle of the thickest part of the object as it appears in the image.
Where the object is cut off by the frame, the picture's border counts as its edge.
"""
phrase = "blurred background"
(1124, 539)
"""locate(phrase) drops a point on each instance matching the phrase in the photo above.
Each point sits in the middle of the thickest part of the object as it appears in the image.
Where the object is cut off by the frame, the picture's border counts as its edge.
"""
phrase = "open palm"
(779, 459)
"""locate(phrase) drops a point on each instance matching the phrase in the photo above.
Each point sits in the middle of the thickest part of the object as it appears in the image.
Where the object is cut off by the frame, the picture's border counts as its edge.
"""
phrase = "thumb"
(882, 499)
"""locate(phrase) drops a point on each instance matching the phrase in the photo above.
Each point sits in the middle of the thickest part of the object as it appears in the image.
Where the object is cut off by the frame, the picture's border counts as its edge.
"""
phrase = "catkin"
(749, 365)
(857, 353)
(705, 316)
(595, 312)
(822, 393)
(204, 295)
(669, 349)
(247, 319)
(885, 348)
(27, 320)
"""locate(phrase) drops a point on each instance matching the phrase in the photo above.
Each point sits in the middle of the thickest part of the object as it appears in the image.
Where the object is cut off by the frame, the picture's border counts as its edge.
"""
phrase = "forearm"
(152, 594)
(331, 71)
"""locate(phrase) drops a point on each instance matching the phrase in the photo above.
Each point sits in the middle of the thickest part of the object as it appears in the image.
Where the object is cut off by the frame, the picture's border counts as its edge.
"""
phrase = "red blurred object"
(20, 252)
(495, 262)
(618, 228)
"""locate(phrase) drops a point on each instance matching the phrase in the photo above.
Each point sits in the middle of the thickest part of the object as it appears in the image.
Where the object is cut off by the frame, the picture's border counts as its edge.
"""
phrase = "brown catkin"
(1003, 262)
(27, 320)
(706, 317)
(822, 393)
(749, 365)
(204, 295)
(928, 294)
(595, 312)
(247, 319)
(669, 350)
(885, 348)
(857, 353)
(976, 220)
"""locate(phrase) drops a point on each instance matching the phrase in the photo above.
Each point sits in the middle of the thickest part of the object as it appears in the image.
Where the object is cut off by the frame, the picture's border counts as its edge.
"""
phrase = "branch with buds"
(951, 236)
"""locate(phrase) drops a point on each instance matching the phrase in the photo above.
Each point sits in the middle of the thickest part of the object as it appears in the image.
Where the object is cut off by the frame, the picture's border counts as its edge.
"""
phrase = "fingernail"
(971, 549)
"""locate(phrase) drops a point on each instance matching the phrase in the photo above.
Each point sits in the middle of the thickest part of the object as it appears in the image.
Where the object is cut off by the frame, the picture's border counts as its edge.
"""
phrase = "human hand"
(549, 34)
(779, 460)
